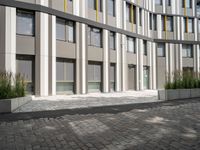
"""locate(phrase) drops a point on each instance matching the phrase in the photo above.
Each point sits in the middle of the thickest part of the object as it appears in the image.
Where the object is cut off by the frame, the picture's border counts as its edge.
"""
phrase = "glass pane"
(94, 86)
(60, 29)
(71, 32)
(64, 86)
(60, 71)
(25, 23)
(111, 6)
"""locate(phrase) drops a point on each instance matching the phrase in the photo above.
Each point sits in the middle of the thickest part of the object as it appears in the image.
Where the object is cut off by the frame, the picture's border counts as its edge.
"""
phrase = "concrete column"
(170, 60)
(159, 26)
(104, 3)
(76, 7)
(52, 55)
(118, 64)
(182, 37)
(8, 39)
(83, 57)
(154, 54)
(137, 64)
(119, 11)
(141, 67)
(124, 63)
(167, 59)
(124, 14)
(150, 56)
(106, 61)
(196, 57)
(164, 6)
(180, 57)
(42, 54)
(196, 29)
(197, 60)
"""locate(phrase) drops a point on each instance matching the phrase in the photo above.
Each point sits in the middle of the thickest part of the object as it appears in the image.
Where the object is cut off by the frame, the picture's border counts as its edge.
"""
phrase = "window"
(154, 22)
(112, 40)
(112, 77)
(168, 2)
(65, 30)
(187, 3)
(158, 2)
(199, 25)
(94, 76)
(198, 8)
(161, 50)
(93, 4)
(60, 29)
(140, 11)
(130, 13)
(111, 7)
(188, 25)
(167, 23)
(94, 37)
(145, 48)
(25, 22)
(130, 45)
(150, 21)
(70, 31)
(25, 66)
(187, 51)
(65, 73)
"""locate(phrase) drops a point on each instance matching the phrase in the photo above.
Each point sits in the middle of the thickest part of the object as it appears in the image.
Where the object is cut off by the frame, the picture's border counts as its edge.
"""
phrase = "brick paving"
(60, 102)
(171, 125)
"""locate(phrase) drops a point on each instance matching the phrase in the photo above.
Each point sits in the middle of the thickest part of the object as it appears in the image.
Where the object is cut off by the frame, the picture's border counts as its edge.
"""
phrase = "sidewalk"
(60, 102)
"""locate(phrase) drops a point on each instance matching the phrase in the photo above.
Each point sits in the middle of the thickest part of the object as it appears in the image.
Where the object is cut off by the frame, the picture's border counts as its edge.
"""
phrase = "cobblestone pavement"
(89, 100)
(171, 125)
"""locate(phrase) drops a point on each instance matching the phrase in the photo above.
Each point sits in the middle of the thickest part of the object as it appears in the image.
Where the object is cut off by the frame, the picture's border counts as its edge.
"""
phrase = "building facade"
(81, 46)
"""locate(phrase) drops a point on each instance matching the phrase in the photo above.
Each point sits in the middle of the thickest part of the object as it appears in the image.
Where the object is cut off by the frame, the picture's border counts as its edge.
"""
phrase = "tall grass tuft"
(11, 86)
(183, 80)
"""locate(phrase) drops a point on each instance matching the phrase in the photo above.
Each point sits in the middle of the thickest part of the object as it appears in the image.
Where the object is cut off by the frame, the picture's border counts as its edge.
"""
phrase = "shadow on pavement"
(92, 110)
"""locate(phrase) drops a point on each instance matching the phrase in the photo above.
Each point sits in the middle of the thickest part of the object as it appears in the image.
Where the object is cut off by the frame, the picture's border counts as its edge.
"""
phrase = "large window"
(187, 3)
(161, 49)
(145, 47)
(25, 22)
(158, 2)
(112, 77)
(94, 37)
(167, 23)
(94, 76)
(93, 4)
(130, 13)
(140, 12)
(25, 66)
(65, 72)
(188, 25)
(65, 30)
(111, 7)
(112, 40)
(168, 2)
(154, 22)
(187, 51)
(130, 44)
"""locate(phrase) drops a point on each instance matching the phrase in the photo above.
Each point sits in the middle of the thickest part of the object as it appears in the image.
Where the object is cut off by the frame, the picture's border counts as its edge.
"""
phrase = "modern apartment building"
(81, 46)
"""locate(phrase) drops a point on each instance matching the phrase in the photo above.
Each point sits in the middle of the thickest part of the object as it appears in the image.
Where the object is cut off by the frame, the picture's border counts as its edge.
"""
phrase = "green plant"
(183, 80)
(11, 86)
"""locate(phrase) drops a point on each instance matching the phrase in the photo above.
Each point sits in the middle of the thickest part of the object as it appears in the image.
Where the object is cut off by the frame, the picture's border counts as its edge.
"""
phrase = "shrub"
(11, 86)
(183, 80)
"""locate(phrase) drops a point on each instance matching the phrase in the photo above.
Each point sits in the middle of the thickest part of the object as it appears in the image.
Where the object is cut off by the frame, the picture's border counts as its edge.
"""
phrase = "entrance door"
(146, 78)
(131, 77)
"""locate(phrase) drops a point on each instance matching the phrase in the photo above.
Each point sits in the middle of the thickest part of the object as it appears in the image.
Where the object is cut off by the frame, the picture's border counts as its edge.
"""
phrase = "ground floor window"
(25, 66)
(65, 75)
(94, 76)
(146, 77)
(112, 77)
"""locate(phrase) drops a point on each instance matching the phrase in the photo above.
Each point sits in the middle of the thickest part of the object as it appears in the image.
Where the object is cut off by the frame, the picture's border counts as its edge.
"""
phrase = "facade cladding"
(81, 46)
